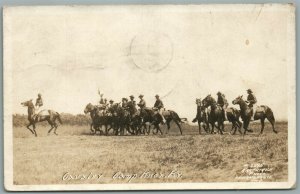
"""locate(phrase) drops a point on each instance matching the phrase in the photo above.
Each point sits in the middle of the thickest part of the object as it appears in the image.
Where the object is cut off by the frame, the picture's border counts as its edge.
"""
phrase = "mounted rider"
(110, 107)
(160, 107)
(223, 103)
(251, 101)
(124, 102)
(131, 105)
(38, 102)
(102, 104)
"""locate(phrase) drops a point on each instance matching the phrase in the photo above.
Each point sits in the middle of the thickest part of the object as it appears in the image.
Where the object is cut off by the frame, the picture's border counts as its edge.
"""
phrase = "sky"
(178, 52)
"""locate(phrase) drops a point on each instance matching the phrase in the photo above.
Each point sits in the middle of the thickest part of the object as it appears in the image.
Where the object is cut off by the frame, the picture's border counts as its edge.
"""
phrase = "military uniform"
(251, 99)
(142, 103)
(222, 102)
(160, 106)
(132, 106)
(38, 102)
(124, 102)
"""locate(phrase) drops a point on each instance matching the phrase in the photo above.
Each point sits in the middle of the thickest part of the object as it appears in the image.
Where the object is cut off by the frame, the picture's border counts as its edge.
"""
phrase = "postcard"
(149, 97)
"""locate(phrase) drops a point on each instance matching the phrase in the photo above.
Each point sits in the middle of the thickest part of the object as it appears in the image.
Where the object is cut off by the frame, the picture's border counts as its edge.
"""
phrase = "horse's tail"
(176, 117)
(59, 118)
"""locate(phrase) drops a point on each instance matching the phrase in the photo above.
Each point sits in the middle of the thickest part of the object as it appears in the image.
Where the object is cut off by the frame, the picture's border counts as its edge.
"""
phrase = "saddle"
(261, 109)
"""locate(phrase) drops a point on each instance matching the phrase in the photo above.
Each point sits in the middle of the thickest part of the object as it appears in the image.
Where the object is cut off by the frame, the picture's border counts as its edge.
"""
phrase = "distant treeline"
(67, 119)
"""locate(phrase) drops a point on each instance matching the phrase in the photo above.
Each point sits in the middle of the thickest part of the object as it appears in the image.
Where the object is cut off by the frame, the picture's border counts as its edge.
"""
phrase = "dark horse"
(201, 116)
(262, 112)
(122, 120)
(233, 116)
(148, 116)
(215, 115)
(169, 116)
(98, 118)
(44, 115)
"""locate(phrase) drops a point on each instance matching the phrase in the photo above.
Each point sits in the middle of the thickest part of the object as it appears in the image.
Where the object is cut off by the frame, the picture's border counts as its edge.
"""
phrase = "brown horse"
(169, 116)
(262, 112)
(201, 117)
(215, 115)
(99, 119)
(233, 116)
(44, 115)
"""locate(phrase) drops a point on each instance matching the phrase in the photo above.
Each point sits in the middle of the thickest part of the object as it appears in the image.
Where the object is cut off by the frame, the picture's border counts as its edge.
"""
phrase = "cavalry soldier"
(124, 102)
(160, 106)
(132, 105)
(142, 103)
(38, 102)
(110, 106)
(111, 103)
(251, 100)
(222, 102)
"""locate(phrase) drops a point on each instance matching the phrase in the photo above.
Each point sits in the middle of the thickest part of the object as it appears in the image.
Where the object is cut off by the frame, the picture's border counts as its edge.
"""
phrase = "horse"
(201, 117)
(122, 119)
(233, 116)
(45, 115)
(99, 119)
(148, 116)
(215, 115)
(169, 115)
(262, 112)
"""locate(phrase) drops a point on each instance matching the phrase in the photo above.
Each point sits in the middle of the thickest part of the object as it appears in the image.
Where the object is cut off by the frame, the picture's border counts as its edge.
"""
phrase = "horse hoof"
(275, 131)
(55, 133)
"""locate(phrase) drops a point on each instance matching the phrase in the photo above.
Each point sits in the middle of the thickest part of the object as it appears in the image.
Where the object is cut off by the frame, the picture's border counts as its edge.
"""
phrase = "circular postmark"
(151, 51)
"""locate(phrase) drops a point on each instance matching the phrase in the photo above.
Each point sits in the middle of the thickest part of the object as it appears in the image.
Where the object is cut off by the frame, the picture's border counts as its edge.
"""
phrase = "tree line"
(20, 120)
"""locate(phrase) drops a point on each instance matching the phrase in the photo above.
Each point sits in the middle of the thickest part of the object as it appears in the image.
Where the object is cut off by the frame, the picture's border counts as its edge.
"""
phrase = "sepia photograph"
(149, 97)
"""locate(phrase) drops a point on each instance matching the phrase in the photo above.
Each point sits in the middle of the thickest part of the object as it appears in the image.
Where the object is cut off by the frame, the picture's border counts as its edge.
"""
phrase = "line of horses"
(124, 120)
(130, 121)
(214, 117)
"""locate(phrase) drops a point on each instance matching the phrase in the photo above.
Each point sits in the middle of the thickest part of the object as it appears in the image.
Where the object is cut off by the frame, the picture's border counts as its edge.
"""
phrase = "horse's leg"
(168, 126)
(240, 124)
(272, 121)
(212, 127)
(106, 130)
(233, 127)
(33, 124)
(262, 122)
(52, 126)
(158, 129)
(220, 126)
(199, 125)
(156, 126)
(55, 125)
(28, 127)
(246, 124)
(178, 126)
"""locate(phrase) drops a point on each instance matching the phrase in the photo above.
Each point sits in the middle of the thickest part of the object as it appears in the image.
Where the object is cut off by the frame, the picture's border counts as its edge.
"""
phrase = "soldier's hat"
(219, 93)
(156, 95)
(111, 101)
(39, 94)
(249, 90)
(141, 96)
(131, 96)
(125, 99)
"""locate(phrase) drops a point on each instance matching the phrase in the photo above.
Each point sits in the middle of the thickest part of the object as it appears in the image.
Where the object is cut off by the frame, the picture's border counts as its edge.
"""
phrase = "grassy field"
(75, 156)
